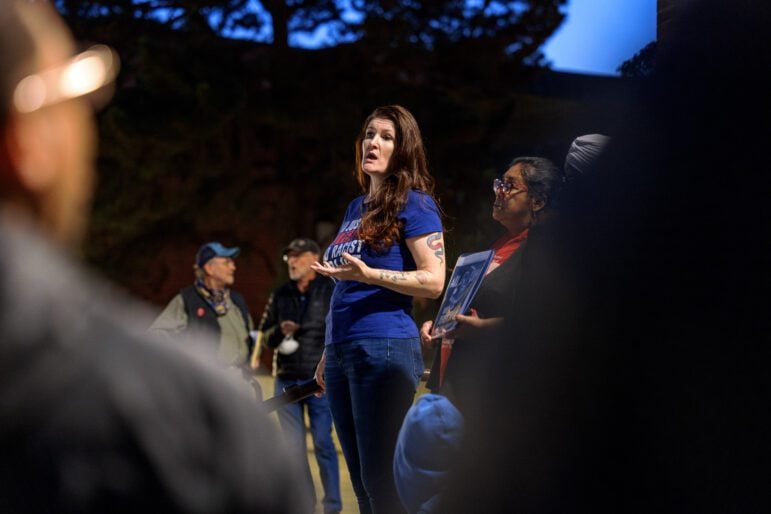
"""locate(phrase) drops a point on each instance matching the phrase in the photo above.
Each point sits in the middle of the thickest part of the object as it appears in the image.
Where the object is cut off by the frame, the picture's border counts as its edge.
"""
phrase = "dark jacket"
(195, 303)
(493, 299)
(286, 303)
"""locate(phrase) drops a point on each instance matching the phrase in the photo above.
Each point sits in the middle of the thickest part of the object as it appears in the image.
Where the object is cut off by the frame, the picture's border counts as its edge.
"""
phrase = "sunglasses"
(504, 187)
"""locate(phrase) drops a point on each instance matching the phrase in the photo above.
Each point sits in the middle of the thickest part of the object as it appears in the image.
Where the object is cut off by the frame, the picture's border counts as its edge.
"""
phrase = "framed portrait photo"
(464, 283)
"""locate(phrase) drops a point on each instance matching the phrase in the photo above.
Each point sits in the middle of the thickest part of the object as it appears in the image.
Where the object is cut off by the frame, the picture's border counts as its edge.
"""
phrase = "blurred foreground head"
(47, 133)
(583, 154)
(97, 415)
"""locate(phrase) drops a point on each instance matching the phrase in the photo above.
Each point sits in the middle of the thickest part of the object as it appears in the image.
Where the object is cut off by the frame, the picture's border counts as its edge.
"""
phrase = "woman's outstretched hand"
(354, 270)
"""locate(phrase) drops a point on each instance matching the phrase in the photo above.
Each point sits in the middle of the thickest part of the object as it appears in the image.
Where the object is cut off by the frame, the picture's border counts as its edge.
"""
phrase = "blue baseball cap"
(427, 447)
(214, 249)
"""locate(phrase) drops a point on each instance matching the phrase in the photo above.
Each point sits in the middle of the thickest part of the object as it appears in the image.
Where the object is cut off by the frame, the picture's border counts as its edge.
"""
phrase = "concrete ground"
(346, 489)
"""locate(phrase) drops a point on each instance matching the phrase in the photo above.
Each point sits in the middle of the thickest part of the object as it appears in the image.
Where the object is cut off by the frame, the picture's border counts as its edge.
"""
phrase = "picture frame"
(464, 282)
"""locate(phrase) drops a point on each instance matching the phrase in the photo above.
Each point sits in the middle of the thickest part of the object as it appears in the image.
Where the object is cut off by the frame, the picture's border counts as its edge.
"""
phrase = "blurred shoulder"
(84, 382)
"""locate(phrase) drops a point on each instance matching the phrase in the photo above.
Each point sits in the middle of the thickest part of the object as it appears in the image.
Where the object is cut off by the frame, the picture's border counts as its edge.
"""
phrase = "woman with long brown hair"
(389, 248)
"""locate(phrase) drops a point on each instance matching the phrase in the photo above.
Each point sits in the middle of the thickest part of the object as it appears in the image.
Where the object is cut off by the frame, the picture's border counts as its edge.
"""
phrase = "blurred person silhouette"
(637, 381)
(95, 414)
(583, 154)
(432, 431)
(390, 248)
(212, 307)
(294, 322)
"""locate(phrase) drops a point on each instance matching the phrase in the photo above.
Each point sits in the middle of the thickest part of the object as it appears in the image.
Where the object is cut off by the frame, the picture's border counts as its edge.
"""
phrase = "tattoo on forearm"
(422, 277)
(434, 242)
(393, 276)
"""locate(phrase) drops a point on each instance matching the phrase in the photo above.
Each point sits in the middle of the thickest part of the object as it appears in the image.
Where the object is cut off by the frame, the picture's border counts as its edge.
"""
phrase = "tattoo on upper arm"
(434, 242)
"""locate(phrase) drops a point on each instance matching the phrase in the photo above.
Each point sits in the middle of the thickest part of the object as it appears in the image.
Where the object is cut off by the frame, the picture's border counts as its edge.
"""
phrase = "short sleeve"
(420, 215)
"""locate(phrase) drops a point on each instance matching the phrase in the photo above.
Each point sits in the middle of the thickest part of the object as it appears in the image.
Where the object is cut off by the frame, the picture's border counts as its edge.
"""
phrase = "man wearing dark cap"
(209, 305)
(294, 324)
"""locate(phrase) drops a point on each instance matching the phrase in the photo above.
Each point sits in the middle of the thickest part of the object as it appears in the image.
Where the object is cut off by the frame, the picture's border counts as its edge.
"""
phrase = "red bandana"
(507, 245)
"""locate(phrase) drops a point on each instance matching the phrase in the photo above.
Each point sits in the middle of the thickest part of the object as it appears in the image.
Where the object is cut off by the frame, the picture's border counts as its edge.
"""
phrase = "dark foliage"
(642, 65)
(215, 138)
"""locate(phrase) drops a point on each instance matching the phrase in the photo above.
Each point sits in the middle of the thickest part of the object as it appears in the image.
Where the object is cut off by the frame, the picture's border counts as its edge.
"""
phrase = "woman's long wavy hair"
(407, 169)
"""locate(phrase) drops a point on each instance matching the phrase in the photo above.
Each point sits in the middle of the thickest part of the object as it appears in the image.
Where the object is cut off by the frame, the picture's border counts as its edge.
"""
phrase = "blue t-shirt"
(359, 310)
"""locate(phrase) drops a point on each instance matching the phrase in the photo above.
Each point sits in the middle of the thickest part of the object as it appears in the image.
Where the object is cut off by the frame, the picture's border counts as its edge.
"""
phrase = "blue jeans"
(371, 384)
(292, 420)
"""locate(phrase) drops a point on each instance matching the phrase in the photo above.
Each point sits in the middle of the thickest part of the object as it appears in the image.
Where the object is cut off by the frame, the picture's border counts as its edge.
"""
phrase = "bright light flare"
(81, 75)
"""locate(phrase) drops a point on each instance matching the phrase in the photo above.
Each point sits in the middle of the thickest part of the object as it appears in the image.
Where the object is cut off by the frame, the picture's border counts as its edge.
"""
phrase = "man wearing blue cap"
(210, 305)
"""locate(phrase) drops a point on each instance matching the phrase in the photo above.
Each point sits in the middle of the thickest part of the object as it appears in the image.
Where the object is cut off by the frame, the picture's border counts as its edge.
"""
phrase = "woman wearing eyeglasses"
(389, 248)
(431, 433)
(520, 197)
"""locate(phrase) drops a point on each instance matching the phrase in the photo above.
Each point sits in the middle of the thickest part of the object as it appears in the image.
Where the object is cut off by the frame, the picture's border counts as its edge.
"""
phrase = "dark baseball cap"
(302, 244)
(214, 249)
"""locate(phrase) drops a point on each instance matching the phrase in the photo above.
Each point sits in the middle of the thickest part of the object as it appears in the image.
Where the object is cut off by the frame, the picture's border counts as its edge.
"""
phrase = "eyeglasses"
(85, 73)
(503, 187)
